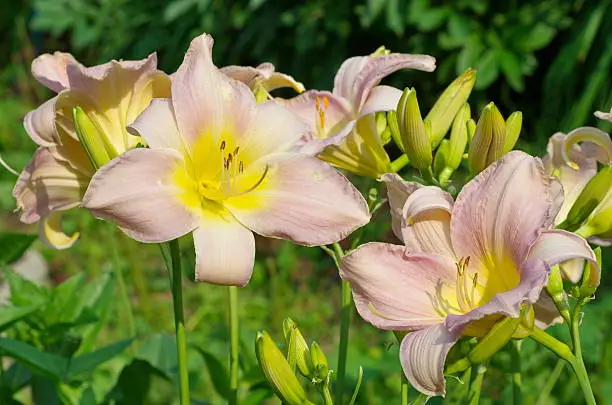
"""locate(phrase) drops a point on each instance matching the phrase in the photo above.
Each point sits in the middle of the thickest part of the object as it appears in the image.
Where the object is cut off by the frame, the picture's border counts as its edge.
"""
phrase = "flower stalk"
(234, 342)
(345, 321)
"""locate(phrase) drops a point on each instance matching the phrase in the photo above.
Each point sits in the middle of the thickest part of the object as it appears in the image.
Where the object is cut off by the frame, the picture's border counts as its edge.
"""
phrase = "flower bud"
(557, 293)
(412, 130)
(319, 361)
(381, 50)
(456, 144)
(591, 214)
(489, 137)
(393, 128)
(494, 340)
(591, 277)
(277, 371)
(297, 348)
(514, 124)
(440, 164)
(382, 127)
(448, 105)
(471, 127)
(99, 150)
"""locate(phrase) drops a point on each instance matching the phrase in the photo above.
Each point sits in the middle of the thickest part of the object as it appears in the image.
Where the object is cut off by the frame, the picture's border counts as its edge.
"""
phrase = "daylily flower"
(575, 165)
(222, 167)
(465, 264)
(344, 119)
(111, 95)
(262, 76)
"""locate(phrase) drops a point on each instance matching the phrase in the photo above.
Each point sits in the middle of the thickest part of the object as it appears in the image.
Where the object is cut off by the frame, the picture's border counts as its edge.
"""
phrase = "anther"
(222, 145)
(241, 167)
(475, 280)
(236, 150)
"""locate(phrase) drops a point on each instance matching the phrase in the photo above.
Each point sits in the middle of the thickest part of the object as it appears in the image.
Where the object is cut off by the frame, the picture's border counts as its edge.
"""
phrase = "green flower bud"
(393, 128)
(381, 50)
(297, 348)
(319, 361)
(277, 371)
(494, 340)
(557, 293)
(412, 130)
(591, 277)
(448, 105)
(591, 214)
(382, 127)
(471, 127)
(440, 164)
(456, 145)
(513, 130)
(97, 146)
(488, 143)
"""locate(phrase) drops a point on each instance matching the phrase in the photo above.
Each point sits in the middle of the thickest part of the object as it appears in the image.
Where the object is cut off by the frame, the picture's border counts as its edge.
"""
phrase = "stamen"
(326, 102)
(253, 187)
(8, 168)
(241, 167)
(222, 145)
(236, 150)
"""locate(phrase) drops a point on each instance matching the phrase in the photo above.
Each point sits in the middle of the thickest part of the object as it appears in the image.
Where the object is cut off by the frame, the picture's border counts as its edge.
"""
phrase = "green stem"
(125, 298)
(578, 363)
(234, 341)
(327, 398)
(345, 321)
(563, 351)
(517, 390)
(399, 163)
(476, 386)
(550, 383)
(179, 318)
(404, 388)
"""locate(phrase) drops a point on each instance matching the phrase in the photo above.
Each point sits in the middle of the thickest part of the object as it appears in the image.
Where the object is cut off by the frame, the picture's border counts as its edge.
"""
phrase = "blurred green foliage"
(550, 59)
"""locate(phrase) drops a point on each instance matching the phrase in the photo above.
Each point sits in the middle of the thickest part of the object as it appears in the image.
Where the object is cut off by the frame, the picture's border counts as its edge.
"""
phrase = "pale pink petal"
(225, 250)
(381, 98)
(398, 291)
(272, 129)
(596, 142)
(40, 123)
(398, 191)
(533, 278)
(603, 115)
(358, 75)
(301, 199)
(52, 70)
(423, 354)
(546, 312)
(502, 211)
(573, 179)
(313, 146)
(600, 241)
(47, 185)
(51, 234)
(336, 111)
(207, 102)
(426, 218)
(558, 246)
(157, 126)
(137, 192)
(86, 78)
(263, 75)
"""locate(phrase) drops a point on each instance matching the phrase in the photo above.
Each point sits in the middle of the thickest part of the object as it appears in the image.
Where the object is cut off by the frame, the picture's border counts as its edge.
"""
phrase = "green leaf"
(487, 70)
(510, 65)
(89, 361)
(138, 382)
(44, 391)
(177, 8)
(40, 362)
(96, 298)
(537, 38)
(217, 372)
(9, 315)
(14, 246)
(23, 291)
(160, 351)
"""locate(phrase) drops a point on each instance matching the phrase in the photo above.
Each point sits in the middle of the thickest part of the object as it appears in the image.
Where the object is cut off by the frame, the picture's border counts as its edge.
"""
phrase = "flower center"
(321, 105)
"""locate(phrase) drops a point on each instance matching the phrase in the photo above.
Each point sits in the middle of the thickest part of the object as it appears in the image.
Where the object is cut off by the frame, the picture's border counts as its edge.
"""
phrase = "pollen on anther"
(236, 150)
(241, 167)
(222, 145)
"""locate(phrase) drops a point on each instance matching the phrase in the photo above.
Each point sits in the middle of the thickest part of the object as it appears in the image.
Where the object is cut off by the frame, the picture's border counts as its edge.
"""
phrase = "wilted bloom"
(221, 166)
(344, 119)
(262, 76)
(109, 96)
(465, 264)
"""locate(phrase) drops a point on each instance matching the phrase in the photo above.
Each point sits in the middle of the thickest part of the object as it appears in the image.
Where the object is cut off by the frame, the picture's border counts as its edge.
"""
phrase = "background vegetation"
(551, 59)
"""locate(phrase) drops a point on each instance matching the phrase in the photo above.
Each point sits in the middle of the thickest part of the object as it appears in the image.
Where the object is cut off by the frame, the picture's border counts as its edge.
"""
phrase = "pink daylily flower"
(465, 264)
(263, 75)
(222, 167)
(574, 165)
(340, 120)
(112, 95)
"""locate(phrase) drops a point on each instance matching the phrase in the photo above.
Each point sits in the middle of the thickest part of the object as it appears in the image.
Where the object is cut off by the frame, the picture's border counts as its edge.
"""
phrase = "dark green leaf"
(487, 70)
(40, 362)
(14, 246)
(160, 352)
(89, 361)
(218, 373)
(44, 391)
(510, 64)
(138, 383)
